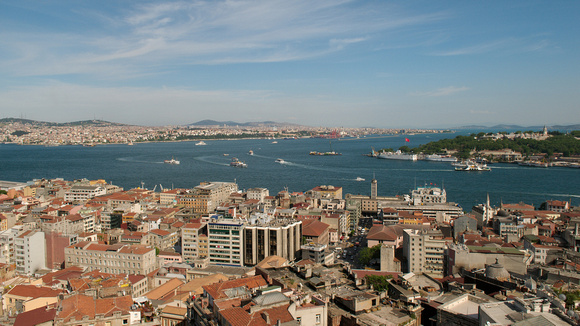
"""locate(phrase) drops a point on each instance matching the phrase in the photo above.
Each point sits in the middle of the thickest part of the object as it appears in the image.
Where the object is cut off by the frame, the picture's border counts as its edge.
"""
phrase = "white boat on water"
(398, 155)
(281, 161)
(472, 166)
(200, 143)
(440, 158)
(171, 161)
(360, 179)
(237, 163)
(274, 142)
(251, 152)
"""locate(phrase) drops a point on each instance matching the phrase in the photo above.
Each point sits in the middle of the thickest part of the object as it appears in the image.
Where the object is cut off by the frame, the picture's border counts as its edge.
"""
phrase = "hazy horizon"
(421, 64)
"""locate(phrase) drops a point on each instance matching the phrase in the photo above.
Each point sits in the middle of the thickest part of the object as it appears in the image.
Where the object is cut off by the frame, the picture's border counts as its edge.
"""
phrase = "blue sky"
(395, 64)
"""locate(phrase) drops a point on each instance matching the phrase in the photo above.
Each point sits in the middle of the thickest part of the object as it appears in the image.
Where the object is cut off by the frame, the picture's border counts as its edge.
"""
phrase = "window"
(125, 321)
(299, 320)
(318, 318)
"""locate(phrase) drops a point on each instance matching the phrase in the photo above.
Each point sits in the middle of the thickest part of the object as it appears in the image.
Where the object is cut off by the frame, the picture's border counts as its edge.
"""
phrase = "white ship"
(440, 158)
(398, 155)
(237, 163)
(171, 161)
(200, 143)
(360, 179)
(281, 161)
(472, 166)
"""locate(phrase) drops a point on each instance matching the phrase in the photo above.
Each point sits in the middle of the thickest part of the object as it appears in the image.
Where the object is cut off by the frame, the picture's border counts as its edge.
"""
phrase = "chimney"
(266, 317)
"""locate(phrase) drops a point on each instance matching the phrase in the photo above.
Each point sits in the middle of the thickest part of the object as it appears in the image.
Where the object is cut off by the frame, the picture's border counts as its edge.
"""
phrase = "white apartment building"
(226, 242)
(29, 252)
(258, 193)
(115, 259)
(425, 251)
(78, 194)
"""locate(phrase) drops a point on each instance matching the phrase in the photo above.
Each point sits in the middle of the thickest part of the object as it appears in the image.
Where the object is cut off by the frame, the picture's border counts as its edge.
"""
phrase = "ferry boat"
(200, 143)
(440, 158)
(474, 167)
(281, 161)
(237, 163)
(251, 152)
(360, 179)
(171, 161)
(398, 155)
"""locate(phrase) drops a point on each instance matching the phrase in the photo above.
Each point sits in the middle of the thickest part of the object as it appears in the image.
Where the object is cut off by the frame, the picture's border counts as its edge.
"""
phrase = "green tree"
(380, 283)
(367, 254)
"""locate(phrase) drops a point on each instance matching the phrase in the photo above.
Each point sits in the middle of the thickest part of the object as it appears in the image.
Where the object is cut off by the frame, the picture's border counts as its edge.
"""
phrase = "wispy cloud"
(149, 37)
(505, 45)
(442, 91)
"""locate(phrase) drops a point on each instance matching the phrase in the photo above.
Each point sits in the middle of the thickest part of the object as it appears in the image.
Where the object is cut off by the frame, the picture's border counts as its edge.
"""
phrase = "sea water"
(142, 165)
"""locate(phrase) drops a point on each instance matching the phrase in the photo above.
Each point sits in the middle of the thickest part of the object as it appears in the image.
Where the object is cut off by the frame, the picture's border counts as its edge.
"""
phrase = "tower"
(374, 188)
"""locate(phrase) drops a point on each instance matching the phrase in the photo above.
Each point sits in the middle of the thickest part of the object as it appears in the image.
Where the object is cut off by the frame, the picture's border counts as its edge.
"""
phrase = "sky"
(337, 63)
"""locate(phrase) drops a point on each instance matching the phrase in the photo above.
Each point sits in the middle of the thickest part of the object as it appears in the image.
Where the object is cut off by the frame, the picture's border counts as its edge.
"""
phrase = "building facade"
(116, 259)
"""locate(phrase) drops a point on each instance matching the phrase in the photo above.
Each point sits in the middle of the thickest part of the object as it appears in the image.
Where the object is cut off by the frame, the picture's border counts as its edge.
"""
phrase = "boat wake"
(206, 159)
(131, 160)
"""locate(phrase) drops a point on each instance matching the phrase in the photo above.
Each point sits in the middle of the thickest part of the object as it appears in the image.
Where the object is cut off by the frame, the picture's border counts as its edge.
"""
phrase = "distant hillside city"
(89, 252)
(93, 132)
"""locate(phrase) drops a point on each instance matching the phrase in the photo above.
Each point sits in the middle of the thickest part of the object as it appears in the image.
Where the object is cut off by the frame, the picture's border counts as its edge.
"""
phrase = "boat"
(171, 161)
(251, 152)
(474, 167)
(360, 179)
(398, 155)
(237, 163)
(329, 153)
(274, 142)
(440, 158)
(226, 154)
(281, 161)
(200, 143)
(130, 143)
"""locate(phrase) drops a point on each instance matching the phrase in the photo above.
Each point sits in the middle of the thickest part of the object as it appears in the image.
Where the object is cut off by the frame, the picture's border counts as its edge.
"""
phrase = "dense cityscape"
(93, 132)
(89, 252)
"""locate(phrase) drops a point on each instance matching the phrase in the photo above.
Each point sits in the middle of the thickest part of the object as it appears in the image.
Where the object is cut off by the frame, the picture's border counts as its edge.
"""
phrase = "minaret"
(545, 131)
(374, 188)
(487, 211)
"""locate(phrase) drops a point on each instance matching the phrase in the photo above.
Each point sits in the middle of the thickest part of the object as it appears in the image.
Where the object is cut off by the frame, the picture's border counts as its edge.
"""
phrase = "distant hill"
(241, 124)
(57, 124)
(521, 128)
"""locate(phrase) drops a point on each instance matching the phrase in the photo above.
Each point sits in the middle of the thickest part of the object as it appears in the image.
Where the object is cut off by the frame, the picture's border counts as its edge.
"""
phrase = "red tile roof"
(78, 306)
(216, 290)
(33, 291)
(36, 316)
(314, 228)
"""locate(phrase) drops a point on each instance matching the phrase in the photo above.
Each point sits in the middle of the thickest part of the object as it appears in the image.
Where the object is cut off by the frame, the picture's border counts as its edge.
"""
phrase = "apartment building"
(29, 252)
(265, 236)
(82, 193)
(194, 242)
(225, 242)
(424, 250)
(259, 194)
(118, 258)
(204, 199)
(163, 239)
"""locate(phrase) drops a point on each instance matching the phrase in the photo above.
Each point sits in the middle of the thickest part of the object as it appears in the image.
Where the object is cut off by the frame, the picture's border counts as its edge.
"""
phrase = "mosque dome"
(497, 271)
